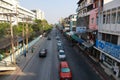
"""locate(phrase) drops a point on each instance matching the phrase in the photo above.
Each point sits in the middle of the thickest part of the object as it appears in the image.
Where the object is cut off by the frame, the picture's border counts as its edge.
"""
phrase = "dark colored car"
(43, 53)
(48, 38)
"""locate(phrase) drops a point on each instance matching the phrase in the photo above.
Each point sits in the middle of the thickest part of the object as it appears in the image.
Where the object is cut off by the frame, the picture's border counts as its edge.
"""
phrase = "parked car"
(64, 71)
(43, 53)
(48, 38)
(57, 37)
(59, 43)
(61, 55)
(60, 47)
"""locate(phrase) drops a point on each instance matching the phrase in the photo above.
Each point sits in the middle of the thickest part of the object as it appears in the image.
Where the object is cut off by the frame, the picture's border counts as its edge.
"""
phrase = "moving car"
(48, 38)
(61, 55)
(43, 53)
(64, 71)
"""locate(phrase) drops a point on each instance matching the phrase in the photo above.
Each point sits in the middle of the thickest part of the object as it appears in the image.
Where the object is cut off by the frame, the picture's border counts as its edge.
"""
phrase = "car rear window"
(65, 70)
(62, 53)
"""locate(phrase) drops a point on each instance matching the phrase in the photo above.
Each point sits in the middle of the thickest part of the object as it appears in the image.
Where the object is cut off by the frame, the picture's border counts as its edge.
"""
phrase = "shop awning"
(87, 44)
(77, 39)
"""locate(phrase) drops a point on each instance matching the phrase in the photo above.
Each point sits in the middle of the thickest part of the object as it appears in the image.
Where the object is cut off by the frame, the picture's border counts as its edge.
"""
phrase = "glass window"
(104, 16)
(108, 38)
(113, 16)
(65, 70)
(108, 18)
(118, 16)
(92, 20)
(103, 36)
(114, 39)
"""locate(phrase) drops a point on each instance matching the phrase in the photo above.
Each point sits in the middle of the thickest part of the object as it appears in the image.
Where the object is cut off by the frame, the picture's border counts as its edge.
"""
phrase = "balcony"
(110, 28)
(7, 7)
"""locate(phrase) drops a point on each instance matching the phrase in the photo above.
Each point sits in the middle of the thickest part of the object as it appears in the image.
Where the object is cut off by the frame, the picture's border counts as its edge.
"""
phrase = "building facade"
(39, 14)
(12, 7)
(108, 42)
(72, 22)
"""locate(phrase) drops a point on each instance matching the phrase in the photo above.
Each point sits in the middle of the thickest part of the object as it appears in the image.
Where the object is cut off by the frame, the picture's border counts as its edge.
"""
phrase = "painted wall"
(93, 19)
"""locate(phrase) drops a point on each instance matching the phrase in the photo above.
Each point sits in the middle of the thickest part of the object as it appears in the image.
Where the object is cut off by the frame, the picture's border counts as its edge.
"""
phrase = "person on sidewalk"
(24, 53)
(32, 49)
(116, 70)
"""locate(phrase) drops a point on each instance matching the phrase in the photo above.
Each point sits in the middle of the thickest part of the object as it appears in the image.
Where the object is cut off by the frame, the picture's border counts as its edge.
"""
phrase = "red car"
(65, 73)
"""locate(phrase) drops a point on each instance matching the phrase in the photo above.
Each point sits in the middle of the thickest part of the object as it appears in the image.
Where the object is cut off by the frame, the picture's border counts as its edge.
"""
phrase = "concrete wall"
(109, 4)
(9, 59)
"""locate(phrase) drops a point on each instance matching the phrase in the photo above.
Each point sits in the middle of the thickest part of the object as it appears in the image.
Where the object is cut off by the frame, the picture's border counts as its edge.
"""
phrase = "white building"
(108, 43)
(12, 6)
(39, 14)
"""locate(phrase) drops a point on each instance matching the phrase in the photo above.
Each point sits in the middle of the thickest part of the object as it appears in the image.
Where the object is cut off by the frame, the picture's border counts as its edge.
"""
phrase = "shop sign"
(109, 48)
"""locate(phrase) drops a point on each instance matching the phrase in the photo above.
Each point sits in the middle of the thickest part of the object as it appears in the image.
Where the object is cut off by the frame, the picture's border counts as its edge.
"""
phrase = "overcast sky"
(53, 9)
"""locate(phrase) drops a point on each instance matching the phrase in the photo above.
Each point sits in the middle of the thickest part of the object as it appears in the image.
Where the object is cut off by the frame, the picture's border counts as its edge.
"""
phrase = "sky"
(53, 9)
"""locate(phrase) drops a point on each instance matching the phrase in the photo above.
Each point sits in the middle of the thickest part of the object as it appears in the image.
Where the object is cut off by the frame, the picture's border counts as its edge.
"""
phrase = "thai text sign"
(109, 48)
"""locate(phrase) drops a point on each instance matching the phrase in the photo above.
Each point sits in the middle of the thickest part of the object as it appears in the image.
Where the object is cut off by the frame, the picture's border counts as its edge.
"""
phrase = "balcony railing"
(110, 28)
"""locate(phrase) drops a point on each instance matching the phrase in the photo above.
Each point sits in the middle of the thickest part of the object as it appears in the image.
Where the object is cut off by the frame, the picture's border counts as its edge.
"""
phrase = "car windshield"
(62, 53)
(65, 70)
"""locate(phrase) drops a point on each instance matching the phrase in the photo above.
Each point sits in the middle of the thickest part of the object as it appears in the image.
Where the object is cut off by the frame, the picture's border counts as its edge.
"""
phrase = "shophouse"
(108, 42)
(84, 27)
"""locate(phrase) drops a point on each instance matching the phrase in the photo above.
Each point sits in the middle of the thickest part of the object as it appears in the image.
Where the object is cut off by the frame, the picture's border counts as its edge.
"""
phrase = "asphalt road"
(81, 69)
(47, 68)
(43, 68)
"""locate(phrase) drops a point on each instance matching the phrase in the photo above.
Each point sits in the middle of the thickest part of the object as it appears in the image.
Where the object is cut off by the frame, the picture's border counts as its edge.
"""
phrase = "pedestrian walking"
(32, 49)
(24, 53)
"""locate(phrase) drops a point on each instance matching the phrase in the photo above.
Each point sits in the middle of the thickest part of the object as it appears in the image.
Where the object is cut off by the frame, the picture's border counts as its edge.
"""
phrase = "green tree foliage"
(18, 29)
(4, 28)
(40, 26)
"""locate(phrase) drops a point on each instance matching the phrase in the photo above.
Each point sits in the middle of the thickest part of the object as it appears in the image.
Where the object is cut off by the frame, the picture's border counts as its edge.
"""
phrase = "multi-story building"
(93, 25)
(11, 7)
(72, 22)
(24, 13)
(69, 23)
(108, 42)
(39, 14)
(83, 21)
(7, 6)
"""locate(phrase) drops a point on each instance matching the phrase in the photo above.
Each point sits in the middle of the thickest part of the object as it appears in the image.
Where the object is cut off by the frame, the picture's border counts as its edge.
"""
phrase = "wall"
(93, 14)
(108, 4)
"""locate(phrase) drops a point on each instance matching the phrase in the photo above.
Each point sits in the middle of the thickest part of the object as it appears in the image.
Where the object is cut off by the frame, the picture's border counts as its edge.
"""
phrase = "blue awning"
(77, 39)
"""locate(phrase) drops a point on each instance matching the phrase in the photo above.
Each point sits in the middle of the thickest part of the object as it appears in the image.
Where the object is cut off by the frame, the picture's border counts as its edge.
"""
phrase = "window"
(104, 16)
(108, 17)
(113, 16)
(114, 39)
(108, 37)
(92, 20)
(103, 36)
(118, 16)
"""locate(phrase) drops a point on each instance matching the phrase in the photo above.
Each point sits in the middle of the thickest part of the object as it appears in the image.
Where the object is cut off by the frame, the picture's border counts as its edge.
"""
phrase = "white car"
(59, 43)
(57, 37)
(61, 55)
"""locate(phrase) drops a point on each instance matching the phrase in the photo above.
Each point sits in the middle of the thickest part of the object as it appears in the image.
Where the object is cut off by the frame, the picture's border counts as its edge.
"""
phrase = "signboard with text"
(109, 48)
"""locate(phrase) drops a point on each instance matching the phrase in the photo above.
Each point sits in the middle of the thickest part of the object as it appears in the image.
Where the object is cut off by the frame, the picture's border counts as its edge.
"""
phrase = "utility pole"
(12, 40)
(27, 34)
(11, 34)
(23, 33)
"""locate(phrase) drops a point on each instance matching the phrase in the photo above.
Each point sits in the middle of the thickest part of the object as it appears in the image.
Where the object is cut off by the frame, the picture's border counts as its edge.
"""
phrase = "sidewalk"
(22, 61)
(96, 67)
